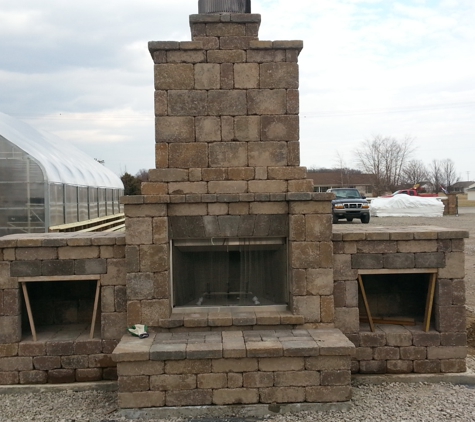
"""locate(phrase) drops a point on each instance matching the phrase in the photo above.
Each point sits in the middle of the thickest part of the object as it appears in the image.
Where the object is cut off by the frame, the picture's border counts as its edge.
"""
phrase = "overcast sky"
(82, 70)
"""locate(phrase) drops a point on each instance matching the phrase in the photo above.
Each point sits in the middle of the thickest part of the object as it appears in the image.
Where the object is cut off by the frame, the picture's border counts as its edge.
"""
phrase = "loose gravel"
(417, 402)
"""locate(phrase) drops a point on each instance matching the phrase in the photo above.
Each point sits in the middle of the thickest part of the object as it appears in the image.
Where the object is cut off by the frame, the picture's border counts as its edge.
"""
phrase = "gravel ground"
(385, 402)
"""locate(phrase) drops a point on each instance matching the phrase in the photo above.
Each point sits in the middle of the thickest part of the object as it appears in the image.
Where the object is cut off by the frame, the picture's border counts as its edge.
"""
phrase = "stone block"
(279, 75)
(304, 255)
(367, 261)
(327, 309)
(454, 266)
(88, 374)
(318, 227)
(142, 399)
(174, 129)
(386, 353)
(227, 103)
(397, 336)
(228, 154)
(240, 173)
(61, 376)
(167, 382)
(399, 366)
(207, 76)
(189, 398)
(187, 103)
(209, 43)
(174, 76)
(230, 396)
(264, 186)
(453, 339)
(327, 363)
(267, 154)
(373, 367)
(258, 379)
(453, 366)
(140, 368)
(88, 347)
(399, 260)
(90, 266)
(336, 377)
(280, 128)
(58, 267)
(187, 366)
(446, 352)
(47, 363)
(74, 362)
(208, 129)
(426, 366)
(430, 260)
(293, 101)
(9, 378)
(308, 306)
(227, 187)
(235, 365)
(138, 231)
(297, 378)
(32, 254)
(227, 78)
(425, 339)
(267, 101)
(212, 381)
(246, 75)
(116, 271)
(9, 350)
(241, 208)
(247, 128)
(161, 155)
(133, 384)
(161, 103)
(33, 377)
(372, 339)
(287, 173)
(188, 155)
(342, 269)
(10, 329)
(276, 208)
(16, 363)
(282, 395)
(450, 318)
(225, 30)
(112, 325)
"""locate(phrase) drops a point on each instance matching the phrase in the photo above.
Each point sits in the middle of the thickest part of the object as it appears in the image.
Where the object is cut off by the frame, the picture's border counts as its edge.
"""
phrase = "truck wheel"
(350, 219)
(365, 219)
(335, 219)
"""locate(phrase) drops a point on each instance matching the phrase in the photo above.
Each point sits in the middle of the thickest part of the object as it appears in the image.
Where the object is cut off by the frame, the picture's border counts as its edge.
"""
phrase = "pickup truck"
(349, 204)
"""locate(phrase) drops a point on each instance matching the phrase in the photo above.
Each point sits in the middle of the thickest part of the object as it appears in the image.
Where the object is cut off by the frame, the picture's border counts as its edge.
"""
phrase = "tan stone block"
(188, 155)
(319, 281)
(195, 175)
(174, 76)
(347, 320)
(226, 56)
(209, 43)
(186, 56)
(308, 306)
(293, 101)
(247, 128)
(214, 174)
(267, 101)
(264, 186)
(318, 227)
(174, 129)
(189, 366)
(342, 268)
(227, 187)
(183, 188)
(299, 282)
(142, 399)
(140, 368)
(246, 75)
(208, 129)
(276, 364)
(161, 155)
(225, 30)
(138, 231)
(261, 55)
(293, 153)
(227, 76)
(413, 246)
(228, 154)
(297, 228)
(267, 154)
(261, 173)
(234, 380)
(189, 398)
(258, 379)
(227, 128)
(280, 128)
(227, 102)
(212, 381)
(187, 103)
(154, 258)
(282, 395)
(241, 173)
(327, 309)
(167, 382)
(305, 185)
(160, 230)
(78, 252)
(218, 209)
(168, 175)
(328, 394)
(239, 208)
(454, 266)
(161, 103)
(187, 209)
(234, 365)
(235, 43)
(305, 255)
(207, 76)
(235, 396)
(326, 254)
(287, 173)
(297, 378)
(32, 254)
(279, 75)
(154, 188)
(268, 208)
(328, 363)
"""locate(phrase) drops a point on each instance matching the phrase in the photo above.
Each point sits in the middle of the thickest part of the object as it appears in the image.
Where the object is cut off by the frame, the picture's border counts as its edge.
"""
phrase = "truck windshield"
(346, 193)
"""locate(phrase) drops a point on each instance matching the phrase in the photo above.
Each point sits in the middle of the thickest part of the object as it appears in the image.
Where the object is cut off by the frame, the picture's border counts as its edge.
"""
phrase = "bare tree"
(142, 174)
(415, 172)
(385, 158)
(449, 175)
(435, 175)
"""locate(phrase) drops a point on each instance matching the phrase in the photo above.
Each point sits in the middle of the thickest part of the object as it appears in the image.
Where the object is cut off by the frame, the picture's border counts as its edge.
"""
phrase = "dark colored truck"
(349, 204)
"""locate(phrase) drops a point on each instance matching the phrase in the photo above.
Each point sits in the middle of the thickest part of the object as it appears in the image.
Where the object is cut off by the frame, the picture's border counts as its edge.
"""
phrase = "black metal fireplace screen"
(229, 272)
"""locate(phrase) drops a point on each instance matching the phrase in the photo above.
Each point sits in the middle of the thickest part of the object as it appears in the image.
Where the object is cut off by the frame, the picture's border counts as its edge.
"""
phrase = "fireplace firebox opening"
(229, 272)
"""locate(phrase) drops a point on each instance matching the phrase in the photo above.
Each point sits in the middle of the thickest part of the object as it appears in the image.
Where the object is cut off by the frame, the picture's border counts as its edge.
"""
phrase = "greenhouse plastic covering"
(407, 206)
(61, 161)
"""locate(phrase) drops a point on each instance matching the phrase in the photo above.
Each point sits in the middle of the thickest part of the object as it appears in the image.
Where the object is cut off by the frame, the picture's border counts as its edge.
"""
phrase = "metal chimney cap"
(224, 6)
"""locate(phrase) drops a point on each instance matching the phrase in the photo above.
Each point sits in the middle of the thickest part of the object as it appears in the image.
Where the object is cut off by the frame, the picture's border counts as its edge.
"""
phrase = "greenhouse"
(46, 181)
